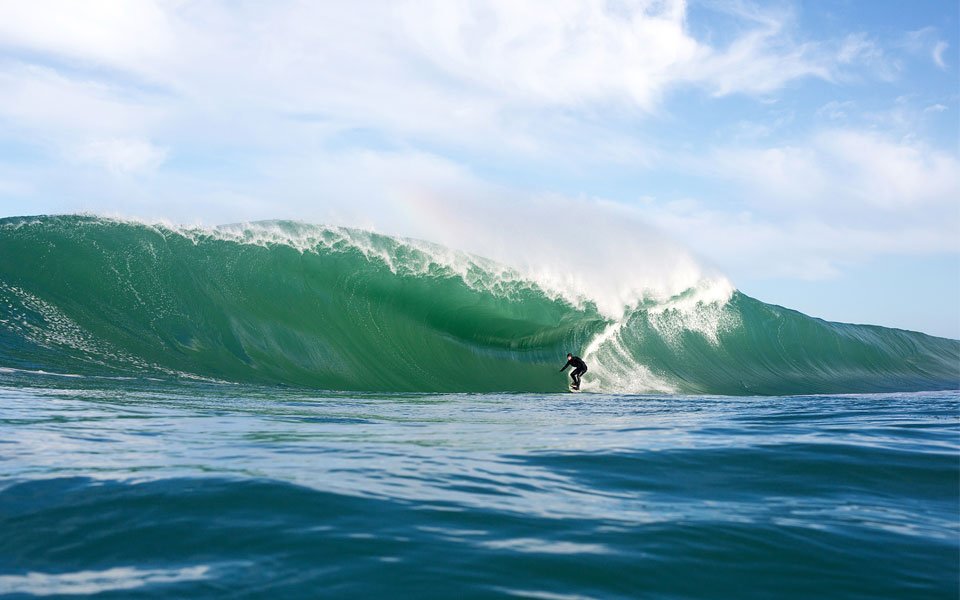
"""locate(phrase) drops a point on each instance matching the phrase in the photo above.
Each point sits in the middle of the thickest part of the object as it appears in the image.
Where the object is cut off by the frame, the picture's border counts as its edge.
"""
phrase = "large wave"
(338, 308)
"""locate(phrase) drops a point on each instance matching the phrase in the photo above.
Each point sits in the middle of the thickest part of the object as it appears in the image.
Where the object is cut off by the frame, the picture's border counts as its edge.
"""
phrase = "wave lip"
(338, 308)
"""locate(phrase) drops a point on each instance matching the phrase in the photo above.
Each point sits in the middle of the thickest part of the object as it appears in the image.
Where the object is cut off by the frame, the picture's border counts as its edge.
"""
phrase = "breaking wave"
(338, 308)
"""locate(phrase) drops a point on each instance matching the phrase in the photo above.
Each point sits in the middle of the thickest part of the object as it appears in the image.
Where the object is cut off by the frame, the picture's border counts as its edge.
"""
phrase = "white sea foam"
(614, 368)
(700, 309)
(96, 582)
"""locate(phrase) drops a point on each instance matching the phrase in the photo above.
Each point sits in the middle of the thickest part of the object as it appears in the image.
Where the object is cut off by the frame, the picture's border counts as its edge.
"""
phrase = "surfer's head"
(569, 355)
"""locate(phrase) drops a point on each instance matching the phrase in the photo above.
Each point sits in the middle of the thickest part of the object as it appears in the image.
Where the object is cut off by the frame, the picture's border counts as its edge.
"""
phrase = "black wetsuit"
(579, 368)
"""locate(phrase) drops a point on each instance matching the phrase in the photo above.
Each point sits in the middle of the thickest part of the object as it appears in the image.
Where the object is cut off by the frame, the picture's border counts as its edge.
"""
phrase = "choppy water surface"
(137, 488)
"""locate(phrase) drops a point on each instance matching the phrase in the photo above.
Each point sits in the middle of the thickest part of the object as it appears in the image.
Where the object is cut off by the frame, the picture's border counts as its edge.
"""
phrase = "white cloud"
(890, 175)
(114, 33)
(856, 172)
(926, 42)
(801, 247)
(836, 110)
(751, 66)
(560, 52)
(860, 49)
(80, 120)
(938, 50)
(812, 208)
(40, 99)
(488, 74)
(529, 80)
(570, 53)
(122, 156)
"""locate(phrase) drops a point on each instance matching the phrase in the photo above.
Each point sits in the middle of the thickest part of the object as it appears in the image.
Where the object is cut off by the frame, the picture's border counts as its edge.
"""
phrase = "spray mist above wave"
(342, 308)
(615, 269)
(581, 249)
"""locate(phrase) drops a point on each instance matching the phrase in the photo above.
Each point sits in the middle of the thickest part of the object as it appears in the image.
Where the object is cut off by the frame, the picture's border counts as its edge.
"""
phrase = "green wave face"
(287, 303)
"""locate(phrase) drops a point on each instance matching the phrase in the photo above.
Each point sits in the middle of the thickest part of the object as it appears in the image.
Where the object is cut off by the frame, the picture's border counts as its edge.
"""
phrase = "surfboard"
(575, 390)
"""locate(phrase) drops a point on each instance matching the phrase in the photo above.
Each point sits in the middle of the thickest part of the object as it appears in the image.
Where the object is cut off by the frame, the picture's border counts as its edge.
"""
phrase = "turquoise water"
(281, 410)
(333, 308)
(141, 488)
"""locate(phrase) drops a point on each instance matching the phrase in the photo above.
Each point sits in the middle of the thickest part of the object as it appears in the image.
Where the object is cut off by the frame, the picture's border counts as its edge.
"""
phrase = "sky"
(806, 150)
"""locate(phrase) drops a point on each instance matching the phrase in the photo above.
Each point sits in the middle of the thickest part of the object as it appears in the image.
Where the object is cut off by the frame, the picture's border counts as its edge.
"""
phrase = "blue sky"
(808, 151)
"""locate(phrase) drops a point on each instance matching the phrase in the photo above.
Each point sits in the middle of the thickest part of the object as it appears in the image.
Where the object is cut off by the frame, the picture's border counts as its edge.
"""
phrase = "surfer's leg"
(576, 377)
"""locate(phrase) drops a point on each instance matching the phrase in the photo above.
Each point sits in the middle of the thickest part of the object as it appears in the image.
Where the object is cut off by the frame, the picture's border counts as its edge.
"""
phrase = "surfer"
(579, 368)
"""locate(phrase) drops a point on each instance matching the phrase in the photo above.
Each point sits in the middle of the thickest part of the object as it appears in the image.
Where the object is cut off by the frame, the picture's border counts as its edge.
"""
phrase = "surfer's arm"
(565, 367)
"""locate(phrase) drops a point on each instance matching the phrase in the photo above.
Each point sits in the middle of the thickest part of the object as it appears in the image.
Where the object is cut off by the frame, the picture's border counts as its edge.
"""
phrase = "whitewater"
(282, 409)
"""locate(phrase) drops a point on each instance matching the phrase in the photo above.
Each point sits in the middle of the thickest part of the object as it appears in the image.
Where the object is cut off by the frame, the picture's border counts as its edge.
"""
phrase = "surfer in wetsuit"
(579, 368)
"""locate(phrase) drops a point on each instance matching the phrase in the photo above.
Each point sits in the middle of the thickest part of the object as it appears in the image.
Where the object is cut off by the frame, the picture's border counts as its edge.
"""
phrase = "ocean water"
(343, 309)
(139, 488)
(288, 411)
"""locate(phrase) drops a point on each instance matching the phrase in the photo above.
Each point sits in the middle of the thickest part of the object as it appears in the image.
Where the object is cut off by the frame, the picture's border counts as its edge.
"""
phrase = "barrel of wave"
(282, 303)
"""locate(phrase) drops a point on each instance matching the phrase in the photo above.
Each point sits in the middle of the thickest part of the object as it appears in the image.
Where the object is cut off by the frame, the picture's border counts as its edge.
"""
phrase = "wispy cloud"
(806, 248)
(829, 200)
(847, 169)
(39, 98)
(938, 50)
(926, 41)
(121, 156)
